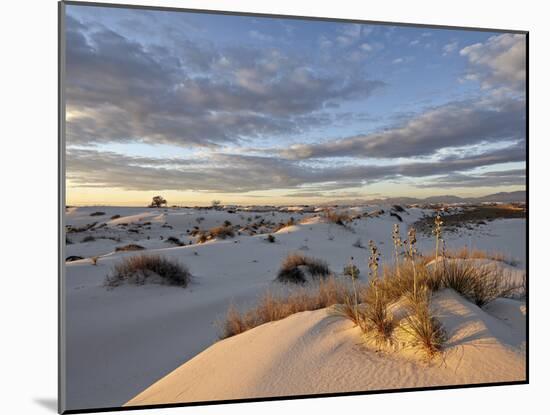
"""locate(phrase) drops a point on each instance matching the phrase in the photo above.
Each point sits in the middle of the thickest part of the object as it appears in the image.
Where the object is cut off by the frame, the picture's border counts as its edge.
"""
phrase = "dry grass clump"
(273, 307)
(221, 232)
(140, 269)
(292, 269)
(481, 285)
(339, 218)
(376, 321)
(129, 248)
(423, 330)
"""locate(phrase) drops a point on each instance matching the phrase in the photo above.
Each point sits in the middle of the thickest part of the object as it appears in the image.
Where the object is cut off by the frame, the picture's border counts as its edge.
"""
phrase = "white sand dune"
(316, 352)
(121, 341)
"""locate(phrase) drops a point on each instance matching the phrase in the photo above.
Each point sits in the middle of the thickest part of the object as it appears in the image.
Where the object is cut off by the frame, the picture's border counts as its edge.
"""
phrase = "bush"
(89, 238)
(115, 217)
(270, 239)
(149, 268)
(129, 247)
(291, 271)
(97, 214)
(221, 232)
(339, 218)
(174, 240)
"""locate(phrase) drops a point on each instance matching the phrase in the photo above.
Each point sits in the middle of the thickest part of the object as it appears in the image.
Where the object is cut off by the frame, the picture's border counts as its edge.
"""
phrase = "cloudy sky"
(255, 110)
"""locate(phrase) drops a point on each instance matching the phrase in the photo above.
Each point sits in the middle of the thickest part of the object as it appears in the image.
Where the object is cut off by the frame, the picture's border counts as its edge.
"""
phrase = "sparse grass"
(291, 271)
(273, 307)
(129, 247)
(140, 269)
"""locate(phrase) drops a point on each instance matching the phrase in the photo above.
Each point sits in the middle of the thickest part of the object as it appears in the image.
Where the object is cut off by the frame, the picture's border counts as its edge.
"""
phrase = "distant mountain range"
(502, 197)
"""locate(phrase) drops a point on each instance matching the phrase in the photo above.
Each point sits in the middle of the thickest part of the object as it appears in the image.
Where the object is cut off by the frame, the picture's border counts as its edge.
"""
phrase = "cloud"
(450, 48)
(498, 62)
(454, 124)
(119, 90)
(514, 177)
(397, 61)
(235, 173)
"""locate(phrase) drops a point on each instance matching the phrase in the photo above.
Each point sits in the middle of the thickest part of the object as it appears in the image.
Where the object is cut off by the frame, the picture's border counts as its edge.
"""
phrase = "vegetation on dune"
(408, 284)
(141, 269)
(129, 247)
(295, 265)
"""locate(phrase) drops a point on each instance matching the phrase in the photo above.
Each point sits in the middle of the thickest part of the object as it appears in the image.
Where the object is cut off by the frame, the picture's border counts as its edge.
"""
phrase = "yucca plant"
(424, 331)
(376, 322)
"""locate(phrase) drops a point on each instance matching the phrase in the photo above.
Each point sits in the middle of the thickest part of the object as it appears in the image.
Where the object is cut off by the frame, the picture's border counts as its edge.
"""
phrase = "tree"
(158, 201)
(216, 204)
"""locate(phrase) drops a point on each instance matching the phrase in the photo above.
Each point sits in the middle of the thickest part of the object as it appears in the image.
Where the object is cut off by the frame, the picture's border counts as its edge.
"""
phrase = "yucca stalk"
(353, 277)
(437, 232)
(397, 243)
(411, 235)
(374, 259)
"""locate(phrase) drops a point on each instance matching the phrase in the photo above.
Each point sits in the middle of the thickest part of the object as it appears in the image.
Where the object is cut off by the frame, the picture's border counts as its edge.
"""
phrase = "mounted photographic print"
(256, 207)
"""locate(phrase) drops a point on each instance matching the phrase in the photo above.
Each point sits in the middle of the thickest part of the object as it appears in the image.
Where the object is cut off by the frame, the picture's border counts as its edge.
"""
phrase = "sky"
(252, 110)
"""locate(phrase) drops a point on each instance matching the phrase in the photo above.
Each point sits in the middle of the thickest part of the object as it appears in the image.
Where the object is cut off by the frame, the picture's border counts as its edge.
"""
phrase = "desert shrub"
(129, 247)
(94, 260)
(395, 215)
(227, 223)
(270, 238)
(221, 232)
(351, 270)
(73, 229)
(115, 217)
(339, 218)
(291, 269)
(89, 238)
(140, 269)
(97, 214)
(174, 240)
(423, 330)
(398, 208)
(72, 258)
